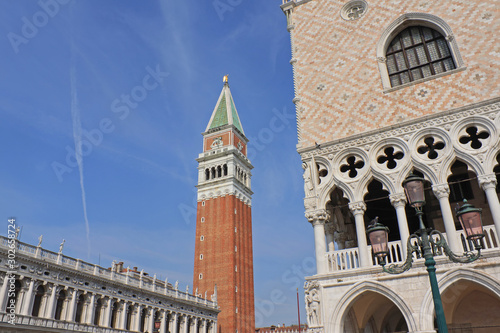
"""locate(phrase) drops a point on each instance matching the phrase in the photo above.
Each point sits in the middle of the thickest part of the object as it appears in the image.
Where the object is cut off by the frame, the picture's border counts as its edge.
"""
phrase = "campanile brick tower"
(223, 252)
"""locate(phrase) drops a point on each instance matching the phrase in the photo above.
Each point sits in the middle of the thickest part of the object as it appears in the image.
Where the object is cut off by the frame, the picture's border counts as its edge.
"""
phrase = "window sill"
(453, 71)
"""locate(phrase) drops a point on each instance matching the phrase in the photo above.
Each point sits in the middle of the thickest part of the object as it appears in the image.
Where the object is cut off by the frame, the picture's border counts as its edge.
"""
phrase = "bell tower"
(223, 250)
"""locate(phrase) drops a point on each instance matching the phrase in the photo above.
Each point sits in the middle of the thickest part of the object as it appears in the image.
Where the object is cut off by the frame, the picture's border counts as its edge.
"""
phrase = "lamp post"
(469, 217)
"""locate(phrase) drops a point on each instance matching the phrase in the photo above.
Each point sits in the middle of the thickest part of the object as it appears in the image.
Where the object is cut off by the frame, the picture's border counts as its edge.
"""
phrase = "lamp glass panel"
(471, 223)
(415, 193)
(378, 240)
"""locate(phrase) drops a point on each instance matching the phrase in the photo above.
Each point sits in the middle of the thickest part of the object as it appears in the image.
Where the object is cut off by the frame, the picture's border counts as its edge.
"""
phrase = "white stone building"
(382, 89)
(44, 291)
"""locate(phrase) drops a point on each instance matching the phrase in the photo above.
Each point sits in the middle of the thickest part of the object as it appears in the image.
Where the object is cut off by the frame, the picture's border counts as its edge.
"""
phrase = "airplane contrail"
(77, 136)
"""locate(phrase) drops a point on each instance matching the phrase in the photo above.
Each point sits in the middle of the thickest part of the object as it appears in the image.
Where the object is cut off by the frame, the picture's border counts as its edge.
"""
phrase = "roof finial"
(225, 79)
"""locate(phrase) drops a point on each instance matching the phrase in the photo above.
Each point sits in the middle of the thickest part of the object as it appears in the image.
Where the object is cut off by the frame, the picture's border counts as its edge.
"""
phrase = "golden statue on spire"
(225, 79)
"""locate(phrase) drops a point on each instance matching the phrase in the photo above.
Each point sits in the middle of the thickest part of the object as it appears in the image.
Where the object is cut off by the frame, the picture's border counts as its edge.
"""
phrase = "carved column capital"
(320, 216)
(398, 200)
(487, 181)
(357, 208)
(441, 190)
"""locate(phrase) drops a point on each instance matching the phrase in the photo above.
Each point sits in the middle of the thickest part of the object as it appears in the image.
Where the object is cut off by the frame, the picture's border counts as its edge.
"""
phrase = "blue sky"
(67, 75)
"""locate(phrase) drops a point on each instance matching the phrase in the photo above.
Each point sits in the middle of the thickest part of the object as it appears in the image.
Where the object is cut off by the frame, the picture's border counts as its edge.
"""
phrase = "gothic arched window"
(416, 53)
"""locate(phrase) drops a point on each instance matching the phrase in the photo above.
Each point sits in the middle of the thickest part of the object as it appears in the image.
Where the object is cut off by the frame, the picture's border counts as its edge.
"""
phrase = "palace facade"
(45, 291)
(382, 89)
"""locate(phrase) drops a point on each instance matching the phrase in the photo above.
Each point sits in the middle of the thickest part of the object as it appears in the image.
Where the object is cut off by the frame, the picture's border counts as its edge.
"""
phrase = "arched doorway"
(372, 312)
(471, 307)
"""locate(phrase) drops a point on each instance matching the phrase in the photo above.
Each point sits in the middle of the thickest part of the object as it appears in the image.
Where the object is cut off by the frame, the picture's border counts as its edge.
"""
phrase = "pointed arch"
(341, 311)
(450, 277)
(413, 19)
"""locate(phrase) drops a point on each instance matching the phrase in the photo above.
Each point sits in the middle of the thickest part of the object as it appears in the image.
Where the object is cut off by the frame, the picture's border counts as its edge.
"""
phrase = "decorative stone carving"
(382, 59)
(217, 143)
(318, 216)
(61, 246)
(357, 207)
(310, 180)
(487, 181)
(441, 190)
(398, 200)
(315, 330)
(310, 203)
(312, 301)
(353, 10)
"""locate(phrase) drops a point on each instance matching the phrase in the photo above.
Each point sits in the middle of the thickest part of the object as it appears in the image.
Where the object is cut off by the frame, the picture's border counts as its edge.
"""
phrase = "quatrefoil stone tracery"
(431, 147)
(474, 138)
(351, 166)
(390, 157)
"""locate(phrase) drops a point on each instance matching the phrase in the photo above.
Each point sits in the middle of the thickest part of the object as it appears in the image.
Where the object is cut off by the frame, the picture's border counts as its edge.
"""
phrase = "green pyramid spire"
(225, 112)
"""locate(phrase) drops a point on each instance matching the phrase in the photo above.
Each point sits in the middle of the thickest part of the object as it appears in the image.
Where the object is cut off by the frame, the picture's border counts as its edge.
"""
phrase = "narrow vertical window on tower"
(417, 53)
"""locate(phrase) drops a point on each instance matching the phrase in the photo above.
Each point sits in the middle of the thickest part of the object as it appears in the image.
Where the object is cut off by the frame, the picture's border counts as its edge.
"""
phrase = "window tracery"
(417, 52)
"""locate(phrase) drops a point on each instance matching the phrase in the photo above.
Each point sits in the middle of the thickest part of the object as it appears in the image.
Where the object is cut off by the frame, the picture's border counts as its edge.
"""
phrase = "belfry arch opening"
(373, 312)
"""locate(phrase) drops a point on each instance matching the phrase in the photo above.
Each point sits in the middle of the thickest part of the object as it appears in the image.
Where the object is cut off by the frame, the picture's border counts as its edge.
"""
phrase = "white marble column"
(51, 307)
(107, 313)
(175, 318)
(442, 193)
(137, 327)
(186, 324)
(399, 202)
(4, 293)
(488, 183)
(358, 210)
(204, 325)
(151, 322)
(163, 327)
(72, 307)
(318, 219)
(91, 311)
(123, 317)
(28, 299)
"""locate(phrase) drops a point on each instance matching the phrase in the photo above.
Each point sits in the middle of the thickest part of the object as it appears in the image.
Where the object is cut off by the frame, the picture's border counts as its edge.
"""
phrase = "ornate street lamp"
(378, 235)
(469, 217)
